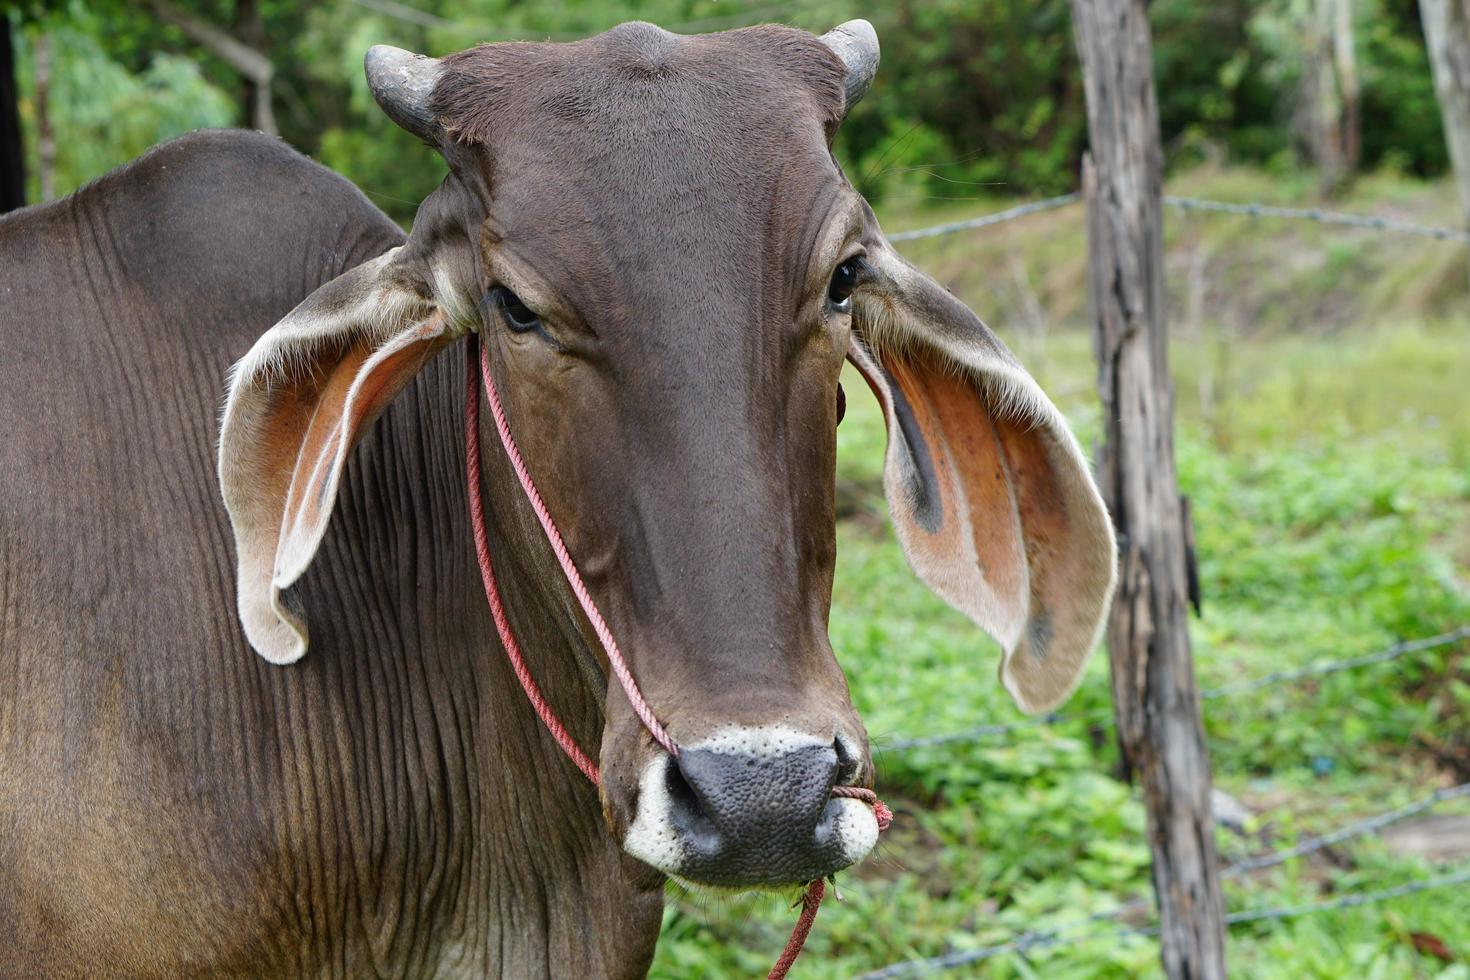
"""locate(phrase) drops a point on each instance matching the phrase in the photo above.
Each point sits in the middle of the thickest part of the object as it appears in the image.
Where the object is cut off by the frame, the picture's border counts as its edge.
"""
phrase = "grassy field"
(1323, 389)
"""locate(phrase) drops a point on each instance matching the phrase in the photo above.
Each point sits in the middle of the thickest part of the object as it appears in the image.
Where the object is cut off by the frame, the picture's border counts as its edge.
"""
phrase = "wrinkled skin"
(172, 805)
(677, 233)
(669, 213)
(687, 330)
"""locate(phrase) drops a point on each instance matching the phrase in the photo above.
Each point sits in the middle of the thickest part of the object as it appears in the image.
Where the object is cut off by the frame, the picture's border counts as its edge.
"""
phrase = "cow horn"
(856, 43)
(402, 82)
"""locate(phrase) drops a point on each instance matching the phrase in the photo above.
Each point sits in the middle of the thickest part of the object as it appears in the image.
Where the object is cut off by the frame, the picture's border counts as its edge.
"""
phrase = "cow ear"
(298, 402)
(991, 497)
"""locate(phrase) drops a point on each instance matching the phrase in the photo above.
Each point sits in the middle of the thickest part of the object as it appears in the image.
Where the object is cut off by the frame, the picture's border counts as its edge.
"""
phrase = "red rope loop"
(492, 590)
(569, 569)
(477, 372)
(881, 813)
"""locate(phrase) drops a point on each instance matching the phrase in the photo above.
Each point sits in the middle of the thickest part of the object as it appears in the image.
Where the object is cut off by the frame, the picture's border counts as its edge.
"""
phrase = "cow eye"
(844, 278)
(517, 315)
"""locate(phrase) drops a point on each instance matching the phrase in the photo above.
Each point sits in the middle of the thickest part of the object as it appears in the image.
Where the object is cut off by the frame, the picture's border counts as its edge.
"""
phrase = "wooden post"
(1330, 94)
(1154, 694)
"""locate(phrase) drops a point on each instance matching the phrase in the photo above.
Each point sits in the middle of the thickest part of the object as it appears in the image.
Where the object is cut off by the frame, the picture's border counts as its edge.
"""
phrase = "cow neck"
(477, 375)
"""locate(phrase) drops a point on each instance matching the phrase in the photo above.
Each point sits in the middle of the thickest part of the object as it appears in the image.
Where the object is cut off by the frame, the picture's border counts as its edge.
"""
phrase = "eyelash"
(518, 317)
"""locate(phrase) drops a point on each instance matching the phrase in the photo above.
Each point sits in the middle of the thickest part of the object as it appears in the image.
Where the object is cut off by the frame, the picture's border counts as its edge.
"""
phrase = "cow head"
(668, 268)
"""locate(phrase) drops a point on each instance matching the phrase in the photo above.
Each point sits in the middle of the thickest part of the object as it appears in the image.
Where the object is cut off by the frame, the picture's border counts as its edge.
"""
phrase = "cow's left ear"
(992, 499)
(297, 404)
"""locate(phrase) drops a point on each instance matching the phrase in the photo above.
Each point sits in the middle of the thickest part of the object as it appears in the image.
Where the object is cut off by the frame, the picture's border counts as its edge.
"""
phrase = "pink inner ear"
(1068, 552)
(357, 389)
(977, 556)
(1017, 538)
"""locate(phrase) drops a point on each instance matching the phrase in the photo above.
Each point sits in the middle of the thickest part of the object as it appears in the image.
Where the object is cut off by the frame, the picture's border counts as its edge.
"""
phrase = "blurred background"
(1322, 379)
(974, 94)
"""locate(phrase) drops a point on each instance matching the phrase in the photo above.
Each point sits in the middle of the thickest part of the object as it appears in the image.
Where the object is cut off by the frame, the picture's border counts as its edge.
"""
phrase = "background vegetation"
(972, 94)
(1324, 435)
(1324, 440)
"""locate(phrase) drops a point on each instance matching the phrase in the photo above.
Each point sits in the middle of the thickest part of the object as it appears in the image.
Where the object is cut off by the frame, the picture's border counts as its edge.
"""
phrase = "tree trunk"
(45, 139)
(1345, 65)
(1447, 35)
(12, 156)
(250, 29)
(252, 66)
(1154, 696)
(1327, 109)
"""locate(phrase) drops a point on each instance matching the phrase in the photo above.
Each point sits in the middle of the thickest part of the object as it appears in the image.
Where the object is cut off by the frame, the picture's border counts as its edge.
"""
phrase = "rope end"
(883, 815)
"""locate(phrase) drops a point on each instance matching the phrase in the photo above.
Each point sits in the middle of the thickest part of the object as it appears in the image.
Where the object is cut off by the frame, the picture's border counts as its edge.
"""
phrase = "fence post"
(1154, 694)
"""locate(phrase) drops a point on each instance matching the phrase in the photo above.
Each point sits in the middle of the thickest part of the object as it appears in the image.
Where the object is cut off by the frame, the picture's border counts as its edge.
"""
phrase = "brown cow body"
(170, 804)
(650, 237)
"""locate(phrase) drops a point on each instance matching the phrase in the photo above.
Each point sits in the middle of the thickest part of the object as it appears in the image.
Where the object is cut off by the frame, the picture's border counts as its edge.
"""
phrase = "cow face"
(667, 268)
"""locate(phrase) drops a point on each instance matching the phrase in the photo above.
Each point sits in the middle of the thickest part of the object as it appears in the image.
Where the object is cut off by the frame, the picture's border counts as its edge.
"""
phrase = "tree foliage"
(103, 112)
(975, 96)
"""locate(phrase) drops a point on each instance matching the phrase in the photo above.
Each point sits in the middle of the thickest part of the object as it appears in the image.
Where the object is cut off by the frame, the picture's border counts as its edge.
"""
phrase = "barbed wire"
(1357, 828)
(990, 731)
(1319, 216)
(407, 14)
(1333, 666)
(1105, 715)
(1022, 944)
(1078, 930)
(1009, 214)
(1061, 934)
(951, 961)
(1349, 900)
(1253, 210)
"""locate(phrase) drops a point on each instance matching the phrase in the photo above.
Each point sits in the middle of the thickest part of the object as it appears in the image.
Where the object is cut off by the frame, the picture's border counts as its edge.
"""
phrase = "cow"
(666, 268)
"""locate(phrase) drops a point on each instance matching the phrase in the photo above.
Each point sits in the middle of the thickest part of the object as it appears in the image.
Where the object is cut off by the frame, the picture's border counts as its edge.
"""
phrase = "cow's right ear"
(297, 404)
(992, 499)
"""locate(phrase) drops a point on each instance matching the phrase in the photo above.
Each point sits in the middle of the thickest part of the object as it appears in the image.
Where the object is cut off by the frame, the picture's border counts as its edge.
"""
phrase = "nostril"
(847, 763)
(688, 812)
(682, 797)
(753, 813)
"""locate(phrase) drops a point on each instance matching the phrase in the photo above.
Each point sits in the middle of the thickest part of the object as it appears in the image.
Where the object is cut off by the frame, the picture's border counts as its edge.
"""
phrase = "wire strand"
(1105, 715)
(1068, 933)
(951, 961)
(1250, 210)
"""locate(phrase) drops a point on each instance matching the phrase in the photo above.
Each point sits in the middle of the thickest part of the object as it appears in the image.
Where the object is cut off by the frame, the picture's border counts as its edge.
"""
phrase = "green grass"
(1329, 470)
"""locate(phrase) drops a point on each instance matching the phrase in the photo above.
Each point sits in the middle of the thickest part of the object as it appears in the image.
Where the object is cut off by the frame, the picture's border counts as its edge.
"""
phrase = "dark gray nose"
(745, 820)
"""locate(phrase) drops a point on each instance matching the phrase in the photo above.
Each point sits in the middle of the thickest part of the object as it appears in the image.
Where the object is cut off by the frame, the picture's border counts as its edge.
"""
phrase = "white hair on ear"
(288, 350)
(460, 316)
(908, 321)
(372, 308)
(1010, 393)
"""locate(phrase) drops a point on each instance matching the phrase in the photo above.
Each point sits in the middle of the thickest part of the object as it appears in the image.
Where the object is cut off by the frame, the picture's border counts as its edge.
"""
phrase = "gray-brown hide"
(170, 804)
(669, 214)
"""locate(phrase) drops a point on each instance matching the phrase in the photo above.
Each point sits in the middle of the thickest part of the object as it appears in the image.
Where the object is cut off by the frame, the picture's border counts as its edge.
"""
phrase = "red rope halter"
(477, 372)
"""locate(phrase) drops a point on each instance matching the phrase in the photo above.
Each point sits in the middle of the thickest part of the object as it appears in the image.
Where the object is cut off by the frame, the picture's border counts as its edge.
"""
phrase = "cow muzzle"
(751, 807)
